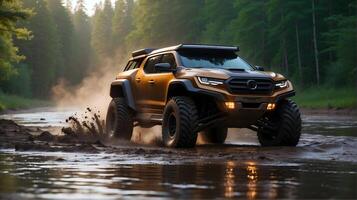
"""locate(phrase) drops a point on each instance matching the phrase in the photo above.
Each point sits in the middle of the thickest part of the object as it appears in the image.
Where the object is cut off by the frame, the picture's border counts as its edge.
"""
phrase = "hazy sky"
(90, 5)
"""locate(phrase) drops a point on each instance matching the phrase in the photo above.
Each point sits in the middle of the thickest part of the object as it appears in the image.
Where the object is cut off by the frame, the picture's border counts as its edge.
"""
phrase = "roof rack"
(208, 47)
(146, 51)
(142, 52)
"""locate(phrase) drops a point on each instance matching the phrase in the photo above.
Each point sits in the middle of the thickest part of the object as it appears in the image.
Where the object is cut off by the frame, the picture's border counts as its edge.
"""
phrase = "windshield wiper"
(236, 69)
(196, 67)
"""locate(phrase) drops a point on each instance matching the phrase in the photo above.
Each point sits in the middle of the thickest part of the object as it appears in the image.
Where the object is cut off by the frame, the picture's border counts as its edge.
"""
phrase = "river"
(324, 165)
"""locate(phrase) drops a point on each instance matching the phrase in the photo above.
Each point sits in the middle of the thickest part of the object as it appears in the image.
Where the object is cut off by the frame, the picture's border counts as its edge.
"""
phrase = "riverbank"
(327, 98)
(13, 102)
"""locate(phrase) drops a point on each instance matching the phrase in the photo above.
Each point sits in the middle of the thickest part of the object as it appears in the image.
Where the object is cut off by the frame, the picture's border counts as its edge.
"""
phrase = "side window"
(150, 64)
(133, 64)
(169, 58)
(127, 67)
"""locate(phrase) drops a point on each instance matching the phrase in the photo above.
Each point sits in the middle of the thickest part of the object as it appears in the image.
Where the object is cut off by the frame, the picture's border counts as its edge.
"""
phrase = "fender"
(286, 95)
(122, 88)
(190, 88)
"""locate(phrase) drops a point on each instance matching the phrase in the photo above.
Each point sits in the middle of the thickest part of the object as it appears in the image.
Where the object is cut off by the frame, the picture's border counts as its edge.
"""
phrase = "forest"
(312, 42)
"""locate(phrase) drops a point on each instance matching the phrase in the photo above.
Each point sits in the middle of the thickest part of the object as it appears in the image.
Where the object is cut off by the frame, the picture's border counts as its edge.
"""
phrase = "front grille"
(242, 86)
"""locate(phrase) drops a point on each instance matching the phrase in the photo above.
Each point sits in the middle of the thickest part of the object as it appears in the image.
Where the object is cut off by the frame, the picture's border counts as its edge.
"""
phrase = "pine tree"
(102, 31)
(164, 22)
(65, 31)
(82, 49)
(215, 16)
(42, 51)
(11, 12)
(122, 22)
(251, 18)
(285, 19)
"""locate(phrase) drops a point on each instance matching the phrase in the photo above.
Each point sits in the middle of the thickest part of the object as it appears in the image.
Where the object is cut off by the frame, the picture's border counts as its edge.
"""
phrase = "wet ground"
(324, 165)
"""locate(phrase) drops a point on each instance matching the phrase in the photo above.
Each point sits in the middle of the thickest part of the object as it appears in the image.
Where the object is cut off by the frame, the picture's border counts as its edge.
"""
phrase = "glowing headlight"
(281, 84)
(210, 81)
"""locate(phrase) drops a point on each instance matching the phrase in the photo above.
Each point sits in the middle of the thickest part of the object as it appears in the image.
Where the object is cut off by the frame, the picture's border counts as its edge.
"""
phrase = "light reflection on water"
(96, 177)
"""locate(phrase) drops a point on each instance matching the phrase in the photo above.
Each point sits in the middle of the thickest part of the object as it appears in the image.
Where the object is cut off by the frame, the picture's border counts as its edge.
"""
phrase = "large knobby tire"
(281, 128)
(179, 123)
(119, 121)
(215, 135)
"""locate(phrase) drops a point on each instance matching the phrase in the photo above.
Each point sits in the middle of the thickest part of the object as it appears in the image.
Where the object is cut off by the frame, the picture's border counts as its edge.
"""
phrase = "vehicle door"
(143, 83)
(159, 83)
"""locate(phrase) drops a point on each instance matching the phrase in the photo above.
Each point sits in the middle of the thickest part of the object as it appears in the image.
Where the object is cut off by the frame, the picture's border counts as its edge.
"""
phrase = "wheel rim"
(172, 125)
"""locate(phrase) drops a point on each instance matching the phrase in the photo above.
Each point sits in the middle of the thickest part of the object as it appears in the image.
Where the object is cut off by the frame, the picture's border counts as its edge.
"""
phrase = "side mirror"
(259, 68)
(164, 67)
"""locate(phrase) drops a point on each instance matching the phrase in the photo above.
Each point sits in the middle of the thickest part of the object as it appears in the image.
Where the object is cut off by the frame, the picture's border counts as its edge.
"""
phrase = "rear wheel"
(179, 123)
(216, 135)
(281, 128)
(119, 121)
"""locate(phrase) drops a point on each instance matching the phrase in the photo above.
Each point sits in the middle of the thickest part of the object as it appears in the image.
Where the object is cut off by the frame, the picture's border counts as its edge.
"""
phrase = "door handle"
(151, 82)
(138, 80)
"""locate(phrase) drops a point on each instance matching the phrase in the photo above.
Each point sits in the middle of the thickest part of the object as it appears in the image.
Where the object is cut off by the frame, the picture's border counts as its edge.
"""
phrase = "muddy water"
(73, 176)
(303, 174)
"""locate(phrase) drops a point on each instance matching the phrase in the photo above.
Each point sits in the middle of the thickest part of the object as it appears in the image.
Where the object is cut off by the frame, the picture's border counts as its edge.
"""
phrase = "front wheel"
(282, 127)
(179, 123)
(119, 121)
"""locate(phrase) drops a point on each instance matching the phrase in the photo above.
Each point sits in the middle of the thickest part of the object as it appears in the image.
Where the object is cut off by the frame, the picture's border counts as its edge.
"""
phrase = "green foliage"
(251, 18)
(82, 48)
(102, 30)
(42, 52)
(11, 12)
(122, 23)
(59, 47)
(327, 97)
(15, 102)
(65, 32)
(277, 34)
(215, 15)
(20, 83)
(341, 39)
(163, 22)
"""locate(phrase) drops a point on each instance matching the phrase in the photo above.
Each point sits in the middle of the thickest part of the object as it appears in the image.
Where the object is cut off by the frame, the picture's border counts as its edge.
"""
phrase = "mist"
(92, 92)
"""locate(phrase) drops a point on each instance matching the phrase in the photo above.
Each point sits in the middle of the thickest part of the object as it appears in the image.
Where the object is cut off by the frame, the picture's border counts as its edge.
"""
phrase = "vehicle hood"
(226, 74)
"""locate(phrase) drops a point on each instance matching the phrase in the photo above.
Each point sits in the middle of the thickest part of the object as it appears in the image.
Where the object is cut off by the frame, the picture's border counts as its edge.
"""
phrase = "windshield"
(213, 60)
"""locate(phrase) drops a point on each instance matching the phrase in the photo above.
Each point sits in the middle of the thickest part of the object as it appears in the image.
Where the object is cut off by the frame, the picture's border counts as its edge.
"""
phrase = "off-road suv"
(191, 89)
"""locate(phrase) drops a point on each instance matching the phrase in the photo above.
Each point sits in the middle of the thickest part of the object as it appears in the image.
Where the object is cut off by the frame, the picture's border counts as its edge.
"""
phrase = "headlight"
(210, 81)
(281, 84)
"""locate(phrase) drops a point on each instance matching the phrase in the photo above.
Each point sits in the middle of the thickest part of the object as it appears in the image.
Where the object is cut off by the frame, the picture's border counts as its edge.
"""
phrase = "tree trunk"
(316, 52)
(285, 57)
(285, 52)
(356, 46)
(299, 54)
(263, 42)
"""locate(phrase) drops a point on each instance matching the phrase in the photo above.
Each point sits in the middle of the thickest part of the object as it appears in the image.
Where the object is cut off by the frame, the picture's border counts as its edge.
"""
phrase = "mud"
(36, 162)
(84, 138)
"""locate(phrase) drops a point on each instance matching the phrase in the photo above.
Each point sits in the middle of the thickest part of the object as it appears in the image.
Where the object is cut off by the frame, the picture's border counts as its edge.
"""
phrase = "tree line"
(56, 47)
(313, 42)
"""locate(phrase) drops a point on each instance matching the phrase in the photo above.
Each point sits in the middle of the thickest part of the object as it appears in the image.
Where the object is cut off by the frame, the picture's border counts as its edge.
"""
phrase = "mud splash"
(89, 126)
